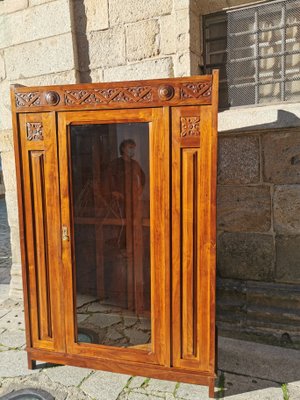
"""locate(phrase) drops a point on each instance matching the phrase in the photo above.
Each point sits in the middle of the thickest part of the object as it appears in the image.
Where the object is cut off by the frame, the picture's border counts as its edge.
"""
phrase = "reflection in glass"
(111, 207)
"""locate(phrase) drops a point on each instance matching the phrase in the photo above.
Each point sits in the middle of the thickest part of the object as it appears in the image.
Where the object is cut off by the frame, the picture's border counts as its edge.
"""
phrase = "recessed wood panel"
(189, 252)
(37, 177)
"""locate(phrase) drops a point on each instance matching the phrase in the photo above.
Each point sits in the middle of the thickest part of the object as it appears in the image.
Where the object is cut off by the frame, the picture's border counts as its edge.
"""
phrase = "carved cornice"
(106, 96)
(192, 90)
(34, 131)
(161, 92)
(189, 126)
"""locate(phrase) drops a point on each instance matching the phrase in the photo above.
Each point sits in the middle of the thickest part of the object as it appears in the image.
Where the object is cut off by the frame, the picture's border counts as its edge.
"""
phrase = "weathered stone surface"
(142, 40)
(15, 287)
(156, 385)
(14, 363)
(182, 64)
(96, 14)
(281, 152)
(55, 78)
(2, 67)
(68, 376)
(38, 2)
(192, 392)
(244, 208)
(238, 387)
(132, 10)
(9, 6)
(5, 120)
(35, 23)
(286, 203)
(12, 339)
(137, 381)
(294, 390)
(107, 48)
(6, 140)
(12, 321)
(45, 57)
(195, 33)
(150, 69)
(271, 363)
(238, 160)
(104, 320)
(245, 256)
(182, 30)
(168, 34)
(288, 259)
(9, 176)
(98, 388)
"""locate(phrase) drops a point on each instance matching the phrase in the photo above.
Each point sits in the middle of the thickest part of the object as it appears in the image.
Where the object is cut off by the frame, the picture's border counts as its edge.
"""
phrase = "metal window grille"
(257, 50)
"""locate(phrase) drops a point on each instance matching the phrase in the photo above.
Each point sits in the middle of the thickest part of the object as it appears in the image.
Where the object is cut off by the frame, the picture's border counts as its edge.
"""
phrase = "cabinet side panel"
(42, 229)
(191, 240)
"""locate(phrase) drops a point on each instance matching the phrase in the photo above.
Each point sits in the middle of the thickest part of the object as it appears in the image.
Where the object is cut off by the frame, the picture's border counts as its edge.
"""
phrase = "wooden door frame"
(159, 232)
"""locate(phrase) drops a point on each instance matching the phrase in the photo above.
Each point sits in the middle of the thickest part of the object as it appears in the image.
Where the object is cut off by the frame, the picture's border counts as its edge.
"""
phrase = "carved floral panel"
(190, 126)
(34, 131)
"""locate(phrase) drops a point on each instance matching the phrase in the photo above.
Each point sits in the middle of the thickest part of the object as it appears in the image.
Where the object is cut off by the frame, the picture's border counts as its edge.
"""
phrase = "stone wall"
(36, 48)
(259, 233)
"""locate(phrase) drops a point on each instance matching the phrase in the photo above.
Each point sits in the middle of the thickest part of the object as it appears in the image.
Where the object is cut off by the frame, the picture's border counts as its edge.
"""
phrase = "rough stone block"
(245, 256)
(5, 108)
(244, 208)
(97, 385)
(238, 160)
(2, 67)
(182, 30)
(15, 244)
(107, 48)
(182, 64)
(6, 140)
(142, 40)
(286, 204)
(150, 69)
(38, 2)
(9, 175)
(132, 10)
(157, 385)
(96, 14)
(56, 78)
(9, 6)
(46, 56)
(281, 152)
(168, 34)
(288, 259)
(35, 23)
(16, 288)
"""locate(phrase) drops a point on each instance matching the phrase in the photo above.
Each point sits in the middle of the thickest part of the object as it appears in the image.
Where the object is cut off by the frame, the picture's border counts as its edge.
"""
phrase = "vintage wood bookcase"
(117, 204)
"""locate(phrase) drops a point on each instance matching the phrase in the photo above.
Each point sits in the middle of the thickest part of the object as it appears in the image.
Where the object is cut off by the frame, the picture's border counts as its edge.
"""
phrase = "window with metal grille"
(257, 50)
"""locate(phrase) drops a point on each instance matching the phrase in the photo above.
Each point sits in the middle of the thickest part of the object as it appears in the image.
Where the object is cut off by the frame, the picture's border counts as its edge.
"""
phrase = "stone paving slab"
(68, 376)
(104, 385)
(13, 320)
(12, 339)
(258, 360)
(294, 390)
(192, 392)
(14, 363)
(235, 385)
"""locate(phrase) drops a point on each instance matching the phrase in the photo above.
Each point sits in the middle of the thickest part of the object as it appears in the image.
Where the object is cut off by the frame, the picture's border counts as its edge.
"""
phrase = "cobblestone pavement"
(248, 371)
(5, 252)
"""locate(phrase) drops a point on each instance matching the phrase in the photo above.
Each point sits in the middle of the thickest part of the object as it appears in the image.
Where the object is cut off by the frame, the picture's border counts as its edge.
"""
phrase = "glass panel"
(111, 203)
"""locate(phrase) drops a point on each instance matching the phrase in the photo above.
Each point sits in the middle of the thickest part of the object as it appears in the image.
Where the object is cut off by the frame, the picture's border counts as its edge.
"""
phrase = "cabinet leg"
(211, 388)
(31, 362)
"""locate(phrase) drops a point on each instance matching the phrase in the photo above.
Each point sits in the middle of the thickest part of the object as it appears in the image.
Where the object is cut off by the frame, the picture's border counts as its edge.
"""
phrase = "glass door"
(114, 184)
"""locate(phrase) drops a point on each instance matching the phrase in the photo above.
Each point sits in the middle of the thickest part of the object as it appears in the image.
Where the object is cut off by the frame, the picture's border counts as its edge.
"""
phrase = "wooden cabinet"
(117, 193)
